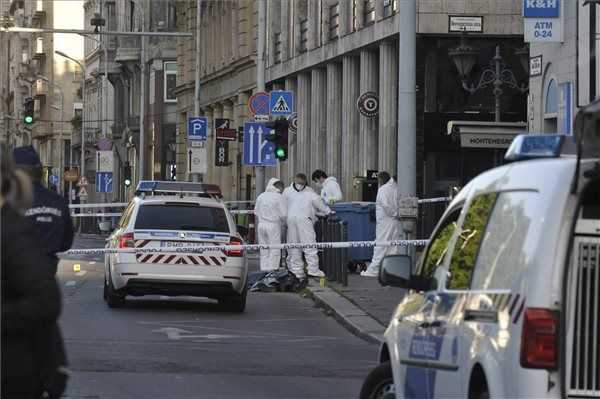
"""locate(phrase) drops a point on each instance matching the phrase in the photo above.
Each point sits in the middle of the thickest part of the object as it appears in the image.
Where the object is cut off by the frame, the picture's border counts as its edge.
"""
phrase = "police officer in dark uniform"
(50, 215)
(49, 212)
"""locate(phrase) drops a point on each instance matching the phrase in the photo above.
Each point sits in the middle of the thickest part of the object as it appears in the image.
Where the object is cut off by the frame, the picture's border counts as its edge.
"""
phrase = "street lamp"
(143, 72)
(496, 74)
(82, 66)
(61, 147)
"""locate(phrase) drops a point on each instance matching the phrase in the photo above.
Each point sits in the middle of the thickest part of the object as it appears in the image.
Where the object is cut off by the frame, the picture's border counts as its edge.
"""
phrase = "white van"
(505, 301)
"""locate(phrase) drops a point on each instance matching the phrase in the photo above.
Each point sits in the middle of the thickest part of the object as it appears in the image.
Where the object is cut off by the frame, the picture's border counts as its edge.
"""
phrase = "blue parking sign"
(281, 103)
(198, 128)
(258, 151)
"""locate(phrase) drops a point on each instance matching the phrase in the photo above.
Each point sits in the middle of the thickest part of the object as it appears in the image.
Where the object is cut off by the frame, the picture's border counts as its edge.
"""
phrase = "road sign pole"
(197, 177)
(260, 78)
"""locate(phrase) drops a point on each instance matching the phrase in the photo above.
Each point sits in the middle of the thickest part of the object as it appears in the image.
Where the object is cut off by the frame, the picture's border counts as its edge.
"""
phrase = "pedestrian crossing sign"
(281, 103)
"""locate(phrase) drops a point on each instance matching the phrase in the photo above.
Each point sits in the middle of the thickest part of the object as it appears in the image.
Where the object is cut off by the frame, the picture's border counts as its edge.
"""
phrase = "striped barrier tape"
(88, 215)
(233, 212)
(251, 247)
(106, 205)
(434, 200)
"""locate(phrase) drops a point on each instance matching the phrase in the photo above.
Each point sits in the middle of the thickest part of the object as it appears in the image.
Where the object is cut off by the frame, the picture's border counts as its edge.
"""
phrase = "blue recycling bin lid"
(352, 207)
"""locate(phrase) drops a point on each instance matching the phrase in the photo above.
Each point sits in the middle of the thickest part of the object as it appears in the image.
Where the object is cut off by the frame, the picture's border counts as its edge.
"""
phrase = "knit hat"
(26, 156)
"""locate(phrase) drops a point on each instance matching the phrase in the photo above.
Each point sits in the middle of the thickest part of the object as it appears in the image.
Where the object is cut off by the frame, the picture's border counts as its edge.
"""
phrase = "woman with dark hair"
(30, 295)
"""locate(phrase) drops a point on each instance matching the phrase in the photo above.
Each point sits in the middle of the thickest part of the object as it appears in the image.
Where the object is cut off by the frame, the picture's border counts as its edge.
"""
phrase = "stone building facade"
(569, 73)
(30, 69)
(329, 52)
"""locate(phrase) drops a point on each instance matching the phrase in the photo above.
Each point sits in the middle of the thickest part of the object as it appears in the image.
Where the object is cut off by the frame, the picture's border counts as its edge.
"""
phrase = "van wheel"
(379, 384)
(111, 296)
(235, 303)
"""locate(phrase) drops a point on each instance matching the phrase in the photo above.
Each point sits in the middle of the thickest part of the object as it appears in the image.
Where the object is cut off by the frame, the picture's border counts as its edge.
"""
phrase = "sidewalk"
(364, 306)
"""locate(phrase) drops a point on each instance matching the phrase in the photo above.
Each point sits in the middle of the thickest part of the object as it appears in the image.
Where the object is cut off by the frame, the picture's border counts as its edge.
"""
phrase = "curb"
(353, 318)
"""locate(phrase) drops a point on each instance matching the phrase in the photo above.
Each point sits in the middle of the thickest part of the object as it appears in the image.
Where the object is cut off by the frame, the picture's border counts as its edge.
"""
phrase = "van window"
(469, 240)
(439, 245)
(502, 254)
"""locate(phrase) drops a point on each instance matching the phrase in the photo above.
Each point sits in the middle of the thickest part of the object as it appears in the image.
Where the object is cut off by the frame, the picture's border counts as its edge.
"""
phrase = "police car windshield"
(191, 217)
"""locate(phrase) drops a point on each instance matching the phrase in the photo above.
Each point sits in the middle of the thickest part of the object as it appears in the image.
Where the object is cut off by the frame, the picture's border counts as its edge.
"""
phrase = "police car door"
(419, 348)
(448, 316)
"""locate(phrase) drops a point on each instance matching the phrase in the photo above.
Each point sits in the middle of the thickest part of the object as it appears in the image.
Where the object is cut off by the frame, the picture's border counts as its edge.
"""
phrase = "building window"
(390, 7)
(551, 108)
(170, 82)
(131, 16)
(303, 35)
(369, 13)
(278, 57)
(354, 16)
(171, 17)
(39, 47)
(334, 21)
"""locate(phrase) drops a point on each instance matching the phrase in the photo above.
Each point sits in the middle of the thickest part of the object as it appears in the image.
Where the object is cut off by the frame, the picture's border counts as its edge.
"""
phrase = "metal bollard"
(345, 258)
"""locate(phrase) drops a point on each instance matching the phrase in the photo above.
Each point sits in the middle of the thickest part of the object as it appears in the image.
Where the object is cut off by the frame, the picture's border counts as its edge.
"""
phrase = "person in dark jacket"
(30, 297)
(50, 211)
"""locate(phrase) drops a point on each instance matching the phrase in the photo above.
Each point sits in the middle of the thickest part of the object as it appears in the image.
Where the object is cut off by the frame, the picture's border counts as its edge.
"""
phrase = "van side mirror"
(396, 271)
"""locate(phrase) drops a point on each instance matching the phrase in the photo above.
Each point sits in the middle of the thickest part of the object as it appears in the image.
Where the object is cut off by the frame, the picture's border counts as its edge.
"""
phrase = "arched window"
(551, 108)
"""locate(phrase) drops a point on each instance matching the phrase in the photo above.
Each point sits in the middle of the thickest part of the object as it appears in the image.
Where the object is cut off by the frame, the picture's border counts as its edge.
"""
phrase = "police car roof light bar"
(152, 187)
(535, 146)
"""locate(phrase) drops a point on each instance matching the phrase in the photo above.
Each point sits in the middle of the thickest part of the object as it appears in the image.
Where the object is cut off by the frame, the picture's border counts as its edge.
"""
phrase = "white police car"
(505, 301)
(169, 216)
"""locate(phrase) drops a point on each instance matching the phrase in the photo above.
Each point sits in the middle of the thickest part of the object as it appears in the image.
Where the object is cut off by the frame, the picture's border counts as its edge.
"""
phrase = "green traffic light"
(28, 120)
(280, 153)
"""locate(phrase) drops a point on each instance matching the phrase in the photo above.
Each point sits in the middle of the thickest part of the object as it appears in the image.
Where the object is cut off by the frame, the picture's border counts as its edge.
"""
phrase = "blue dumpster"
(360, 218)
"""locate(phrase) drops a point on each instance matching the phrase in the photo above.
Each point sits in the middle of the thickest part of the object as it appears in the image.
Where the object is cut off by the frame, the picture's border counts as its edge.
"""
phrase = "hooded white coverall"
(303, 207)
(331, 191)
(271, 210)
(388, 227)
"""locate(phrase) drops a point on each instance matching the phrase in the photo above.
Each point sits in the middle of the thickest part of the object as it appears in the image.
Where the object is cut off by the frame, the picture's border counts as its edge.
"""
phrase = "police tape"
(90, 215)
(434, 200)
(250, 247)
(104, 205)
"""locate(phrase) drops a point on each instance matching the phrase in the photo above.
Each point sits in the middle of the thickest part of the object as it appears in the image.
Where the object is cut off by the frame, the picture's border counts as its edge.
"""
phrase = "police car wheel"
(379, 384)
(235, 303)
(113, 298)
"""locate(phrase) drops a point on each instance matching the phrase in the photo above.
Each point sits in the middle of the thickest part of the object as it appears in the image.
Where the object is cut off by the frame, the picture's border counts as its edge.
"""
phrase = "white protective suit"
(388, 227)
(303, 208)
(271, 211)
(331, 191)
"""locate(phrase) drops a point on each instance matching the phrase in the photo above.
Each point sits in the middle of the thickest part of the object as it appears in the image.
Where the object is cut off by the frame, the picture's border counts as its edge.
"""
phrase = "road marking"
(176, 334)
(76, 267)
(70, 283)
(182, 322)
(92, 262)
(81, 273)
(163, 297)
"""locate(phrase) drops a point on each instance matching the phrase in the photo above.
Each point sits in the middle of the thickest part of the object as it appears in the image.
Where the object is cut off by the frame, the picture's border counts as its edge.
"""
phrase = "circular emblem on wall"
(293, 120)
(368, 104)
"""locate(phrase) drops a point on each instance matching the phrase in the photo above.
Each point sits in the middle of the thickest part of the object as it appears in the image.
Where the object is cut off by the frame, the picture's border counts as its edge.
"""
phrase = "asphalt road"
(157, 347)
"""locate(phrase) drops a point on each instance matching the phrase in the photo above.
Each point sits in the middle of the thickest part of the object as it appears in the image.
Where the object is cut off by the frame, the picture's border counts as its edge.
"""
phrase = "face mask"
(299, 187)
(319, 184)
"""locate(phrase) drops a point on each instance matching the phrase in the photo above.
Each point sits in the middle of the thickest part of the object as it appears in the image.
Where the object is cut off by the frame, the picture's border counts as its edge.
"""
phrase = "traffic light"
(28, 110)
(279, 138)
(127, 174)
